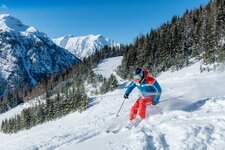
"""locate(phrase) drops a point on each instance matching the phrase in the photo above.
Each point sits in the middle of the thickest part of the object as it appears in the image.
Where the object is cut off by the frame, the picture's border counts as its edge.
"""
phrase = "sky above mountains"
(120, 20)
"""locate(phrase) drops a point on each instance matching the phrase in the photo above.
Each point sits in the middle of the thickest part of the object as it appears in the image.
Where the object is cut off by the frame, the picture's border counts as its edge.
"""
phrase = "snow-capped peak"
(84, 46)
(10, 23)
(27, 55)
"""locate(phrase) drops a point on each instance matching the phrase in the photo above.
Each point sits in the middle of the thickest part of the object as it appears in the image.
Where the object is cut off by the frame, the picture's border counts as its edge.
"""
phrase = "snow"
(222, 41)
(8, 22)
(84, 46)
(193, 118)
(19, 108)
(27, 54)
(108, 66)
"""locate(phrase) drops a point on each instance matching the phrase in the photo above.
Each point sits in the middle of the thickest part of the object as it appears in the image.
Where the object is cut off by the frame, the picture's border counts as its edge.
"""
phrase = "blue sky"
(120, 20)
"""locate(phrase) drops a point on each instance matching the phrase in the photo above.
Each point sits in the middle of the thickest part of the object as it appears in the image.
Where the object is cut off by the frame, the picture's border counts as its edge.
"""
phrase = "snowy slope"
(108, 66)
(193, 119)
(27, 55)
(84, 46)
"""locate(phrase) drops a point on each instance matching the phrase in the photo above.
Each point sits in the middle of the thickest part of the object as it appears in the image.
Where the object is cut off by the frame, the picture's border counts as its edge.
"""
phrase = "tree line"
(54, 107)
(80, 70)
(64, 97)
(199, 34)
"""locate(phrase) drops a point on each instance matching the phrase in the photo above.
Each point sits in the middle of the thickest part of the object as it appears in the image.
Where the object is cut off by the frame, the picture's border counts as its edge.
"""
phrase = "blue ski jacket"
(149, 87)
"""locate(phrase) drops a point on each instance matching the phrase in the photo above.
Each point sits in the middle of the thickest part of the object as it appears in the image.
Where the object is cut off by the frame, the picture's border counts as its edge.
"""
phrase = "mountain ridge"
(83, 46)
(27, 55)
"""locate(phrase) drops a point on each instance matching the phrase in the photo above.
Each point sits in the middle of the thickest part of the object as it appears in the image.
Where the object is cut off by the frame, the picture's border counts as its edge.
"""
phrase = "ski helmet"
(138, 74)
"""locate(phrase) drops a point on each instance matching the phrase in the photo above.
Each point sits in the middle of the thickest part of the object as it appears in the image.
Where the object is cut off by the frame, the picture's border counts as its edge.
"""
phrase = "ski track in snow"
(193, 120)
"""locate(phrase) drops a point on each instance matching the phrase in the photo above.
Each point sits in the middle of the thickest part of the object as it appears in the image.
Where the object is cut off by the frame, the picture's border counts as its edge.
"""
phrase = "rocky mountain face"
(27, 55)
(84, 46)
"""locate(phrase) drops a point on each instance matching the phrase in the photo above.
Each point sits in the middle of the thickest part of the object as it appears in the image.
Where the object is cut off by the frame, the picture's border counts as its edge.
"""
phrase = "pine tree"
(176, 45)
(208, 40)
(18, 121)
(197, 49)
(3, 126)
(112, 82)
(220, 29)
(41, 115)
(57, 104)
(140, 48)
(47, 97)
(26, 118)
(51, 112)
(104, 88)
(84, 102)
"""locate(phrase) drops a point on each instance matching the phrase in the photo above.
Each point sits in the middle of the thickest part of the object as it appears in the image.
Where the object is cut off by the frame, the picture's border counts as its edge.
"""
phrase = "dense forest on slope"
(55, 82)
(64, 93)
(198, 34)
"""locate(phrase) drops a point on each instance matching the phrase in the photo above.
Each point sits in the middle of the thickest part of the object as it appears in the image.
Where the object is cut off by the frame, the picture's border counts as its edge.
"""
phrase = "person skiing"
(150, 92)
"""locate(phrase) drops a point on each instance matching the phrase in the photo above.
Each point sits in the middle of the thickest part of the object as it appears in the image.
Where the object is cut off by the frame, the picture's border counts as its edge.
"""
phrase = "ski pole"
(120, 108)
(169, 99)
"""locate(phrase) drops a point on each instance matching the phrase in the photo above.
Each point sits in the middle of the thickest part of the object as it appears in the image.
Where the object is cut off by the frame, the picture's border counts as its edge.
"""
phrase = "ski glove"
(154, 103)
(125, 96)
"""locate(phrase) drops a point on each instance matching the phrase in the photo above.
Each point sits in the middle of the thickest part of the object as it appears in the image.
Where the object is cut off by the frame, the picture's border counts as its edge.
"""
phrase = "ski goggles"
(137, 77)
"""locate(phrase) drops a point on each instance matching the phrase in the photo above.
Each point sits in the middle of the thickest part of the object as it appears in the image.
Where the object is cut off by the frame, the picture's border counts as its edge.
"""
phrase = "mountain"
(197, 34)
(27, 55)
(84, 46)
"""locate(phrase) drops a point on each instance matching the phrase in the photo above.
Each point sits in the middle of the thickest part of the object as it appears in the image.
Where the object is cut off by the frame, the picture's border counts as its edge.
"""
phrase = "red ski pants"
(140, 107)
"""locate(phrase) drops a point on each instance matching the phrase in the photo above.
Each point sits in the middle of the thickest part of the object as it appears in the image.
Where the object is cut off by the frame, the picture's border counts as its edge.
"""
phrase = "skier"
(150, 93)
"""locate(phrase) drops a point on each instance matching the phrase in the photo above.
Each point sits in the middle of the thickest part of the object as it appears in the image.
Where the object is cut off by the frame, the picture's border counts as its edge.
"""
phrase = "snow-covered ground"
(108, 66)
(193, 117)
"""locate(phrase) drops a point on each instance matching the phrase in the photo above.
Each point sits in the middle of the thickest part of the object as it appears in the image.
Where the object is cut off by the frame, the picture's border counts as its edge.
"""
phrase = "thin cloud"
(3, 6)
